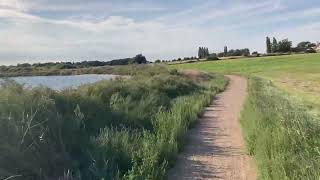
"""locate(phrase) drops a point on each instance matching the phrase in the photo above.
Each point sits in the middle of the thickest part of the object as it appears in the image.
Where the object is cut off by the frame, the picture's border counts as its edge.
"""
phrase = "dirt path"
(216, 148)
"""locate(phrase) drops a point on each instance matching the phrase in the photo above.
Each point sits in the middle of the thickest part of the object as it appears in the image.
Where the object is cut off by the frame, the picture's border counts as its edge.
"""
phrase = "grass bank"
(122, 129)
(8, 71)
(281, 133)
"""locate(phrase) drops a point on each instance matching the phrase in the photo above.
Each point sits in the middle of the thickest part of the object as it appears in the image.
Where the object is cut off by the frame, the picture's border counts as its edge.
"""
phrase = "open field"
(281, 116)
(297, 74)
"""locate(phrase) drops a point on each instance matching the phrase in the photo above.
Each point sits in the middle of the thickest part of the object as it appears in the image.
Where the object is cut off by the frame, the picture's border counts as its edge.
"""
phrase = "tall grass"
(280, 133)
(124, 129)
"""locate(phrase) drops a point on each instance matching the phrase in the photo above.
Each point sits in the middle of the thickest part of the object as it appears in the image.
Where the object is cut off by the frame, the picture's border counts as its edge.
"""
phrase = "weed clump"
(280, 133)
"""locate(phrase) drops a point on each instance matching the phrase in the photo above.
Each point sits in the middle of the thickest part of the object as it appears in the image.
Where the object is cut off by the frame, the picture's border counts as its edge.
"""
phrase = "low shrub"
(212, 58)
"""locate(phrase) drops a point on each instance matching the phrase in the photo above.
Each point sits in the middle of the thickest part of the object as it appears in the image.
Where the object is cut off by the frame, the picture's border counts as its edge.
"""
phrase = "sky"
(76, 30)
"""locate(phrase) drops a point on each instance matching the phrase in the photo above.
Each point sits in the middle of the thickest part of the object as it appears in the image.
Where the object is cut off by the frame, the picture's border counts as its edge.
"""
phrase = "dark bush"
(212, 57)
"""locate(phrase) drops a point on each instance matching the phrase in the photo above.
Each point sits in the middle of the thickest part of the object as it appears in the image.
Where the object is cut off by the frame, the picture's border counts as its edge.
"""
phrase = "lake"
(62, 82)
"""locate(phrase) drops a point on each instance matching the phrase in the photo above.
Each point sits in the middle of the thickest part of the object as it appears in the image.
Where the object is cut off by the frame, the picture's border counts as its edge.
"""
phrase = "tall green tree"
(284, 46)
(274, 47)
(203, 52)
(199, 52)
(245, 52)
(140, 59)
(225, 51)
(268, 43)
(207, 52)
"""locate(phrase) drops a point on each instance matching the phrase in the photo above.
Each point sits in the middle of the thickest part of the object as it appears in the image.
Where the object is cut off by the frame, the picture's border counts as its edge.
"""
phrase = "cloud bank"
(42, 30)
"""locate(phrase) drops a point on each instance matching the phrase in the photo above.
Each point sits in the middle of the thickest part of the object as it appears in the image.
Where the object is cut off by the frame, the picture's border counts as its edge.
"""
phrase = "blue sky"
(74, 30)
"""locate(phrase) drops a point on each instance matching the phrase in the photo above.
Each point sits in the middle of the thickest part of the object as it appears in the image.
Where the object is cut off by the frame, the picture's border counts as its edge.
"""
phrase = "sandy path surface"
(216, 148)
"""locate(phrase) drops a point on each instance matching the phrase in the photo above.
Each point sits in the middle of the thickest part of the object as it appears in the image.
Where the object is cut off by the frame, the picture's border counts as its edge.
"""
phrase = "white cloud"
(11, 4)
(19, 5)
(307, 32)
(28, 36)
(77, 6)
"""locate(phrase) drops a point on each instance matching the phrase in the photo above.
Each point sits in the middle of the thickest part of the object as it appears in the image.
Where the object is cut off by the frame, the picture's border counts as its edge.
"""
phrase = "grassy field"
(297, 74)
(280, 118)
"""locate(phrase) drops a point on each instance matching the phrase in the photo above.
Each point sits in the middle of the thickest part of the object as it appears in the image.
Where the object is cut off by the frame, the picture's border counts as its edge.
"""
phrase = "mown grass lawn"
(297, 74)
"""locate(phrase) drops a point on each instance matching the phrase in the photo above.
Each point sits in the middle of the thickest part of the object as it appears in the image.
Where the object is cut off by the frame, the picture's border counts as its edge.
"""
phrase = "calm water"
(62, 82)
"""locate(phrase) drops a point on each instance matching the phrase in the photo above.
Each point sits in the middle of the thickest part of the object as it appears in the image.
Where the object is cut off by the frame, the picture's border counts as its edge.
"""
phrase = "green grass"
(296, 74)
(123, 129)
(280, 133)
(280, 118)
(261, 65)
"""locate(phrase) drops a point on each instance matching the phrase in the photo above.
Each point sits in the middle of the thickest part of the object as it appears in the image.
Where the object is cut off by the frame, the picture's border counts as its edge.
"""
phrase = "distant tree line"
(177, 59)
(138, 59)
(234, 52)
(285, 46)
(203, 52)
